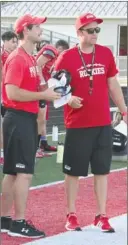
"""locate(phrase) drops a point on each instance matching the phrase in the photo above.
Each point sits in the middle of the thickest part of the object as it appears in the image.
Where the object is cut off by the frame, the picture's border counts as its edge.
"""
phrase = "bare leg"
(100, 187)
(71, 186)
(7, 194)
(21, 190)
(42, 122)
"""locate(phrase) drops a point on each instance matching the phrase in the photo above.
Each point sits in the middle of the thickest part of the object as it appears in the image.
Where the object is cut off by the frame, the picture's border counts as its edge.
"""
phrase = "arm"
(13, 80)
(41, 61)
(114, 87)
(22, 95)
(116, 94)
(18, 94)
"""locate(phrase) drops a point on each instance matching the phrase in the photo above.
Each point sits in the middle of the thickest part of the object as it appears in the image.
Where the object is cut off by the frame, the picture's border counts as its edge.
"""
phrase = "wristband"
(124, 113)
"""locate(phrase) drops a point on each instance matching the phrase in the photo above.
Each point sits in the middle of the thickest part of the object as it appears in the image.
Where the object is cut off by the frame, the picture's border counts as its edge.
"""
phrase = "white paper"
(64, 99)
(52, 82)
(122, 128)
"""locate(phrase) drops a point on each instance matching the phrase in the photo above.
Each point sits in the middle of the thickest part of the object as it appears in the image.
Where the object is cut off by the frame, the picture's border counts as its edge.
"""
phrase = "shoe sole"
(4, 231)
(108, 231)
(20, 235)
(50, 151)
(104, 231)
(76, 229)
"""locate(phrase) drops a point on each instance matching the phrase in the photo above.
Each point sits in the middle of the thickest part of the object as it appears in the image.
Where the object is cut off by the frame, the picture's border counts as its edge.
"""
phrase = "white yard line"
(62, 181)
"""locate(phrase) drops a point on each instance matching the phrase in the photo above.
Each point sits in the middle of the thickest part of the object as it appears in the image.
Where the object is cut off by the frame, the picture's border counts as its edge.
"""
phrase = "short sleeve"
(112, 69)
(14, 71)
(4, 58)
(61, 62)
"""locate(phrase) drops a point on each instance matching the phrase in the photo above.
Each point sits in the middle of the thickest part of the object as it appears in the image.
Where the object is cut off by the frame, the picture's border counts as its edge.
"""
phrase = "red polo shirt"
(20, 70)
(95, 110)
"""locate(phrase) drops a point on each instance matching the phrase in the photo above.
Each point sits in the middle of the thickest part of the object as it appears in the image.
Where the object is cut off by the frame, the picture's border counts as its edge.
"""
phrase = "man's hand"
(75, 102)
(117, 119)
(125, 116)
(50, 95)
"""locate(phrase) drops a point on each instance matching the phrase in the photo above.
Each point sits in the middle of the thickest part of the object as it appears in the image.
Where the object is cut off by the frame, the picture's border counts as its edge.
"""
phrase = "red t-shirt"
(95, 110)
(21, 70)
(4, 56)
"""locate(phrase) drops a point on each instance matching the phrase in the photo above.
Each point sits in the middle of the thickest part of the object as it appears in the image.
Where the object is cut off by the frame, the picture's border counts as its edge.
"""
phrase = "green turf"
(47, 170)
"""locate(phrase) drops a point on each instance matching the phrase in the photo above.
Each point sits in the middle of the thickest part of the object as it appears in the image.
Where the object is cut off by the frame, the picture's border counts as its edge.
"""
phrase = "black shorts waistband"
(22, 113)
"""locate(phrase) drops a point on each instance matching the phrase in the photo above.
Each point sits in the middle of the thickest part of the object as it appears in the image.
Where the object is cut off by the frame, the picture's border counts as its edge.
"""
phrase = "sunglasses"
(92, 30)
(49, 53)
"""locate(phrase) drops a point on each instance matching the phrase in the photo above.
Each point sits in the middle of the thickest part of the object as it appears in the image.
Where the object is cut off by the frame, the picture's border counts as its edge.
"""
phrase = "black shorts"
(86, 146)
(20, 142)
(3, 110)
(42, 103)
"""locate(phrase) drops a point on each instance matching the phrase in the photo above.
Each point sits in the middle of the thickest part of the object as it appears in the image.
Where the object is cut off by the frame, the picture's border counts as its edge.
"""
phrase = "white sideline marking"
(62, 181)
(90, 235)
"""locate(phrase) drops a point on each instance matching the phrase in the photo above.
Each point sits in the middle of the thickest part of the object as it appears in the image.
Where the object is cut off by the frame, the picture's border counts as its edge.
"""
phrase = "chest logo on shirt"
(34, 71)
(98, 69)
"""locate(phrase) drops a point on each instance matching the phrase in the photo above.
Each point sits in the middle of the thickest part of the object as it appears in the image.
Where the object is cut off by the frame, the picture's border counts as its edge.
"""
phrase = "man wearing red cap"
(21, 94)
(87, 117)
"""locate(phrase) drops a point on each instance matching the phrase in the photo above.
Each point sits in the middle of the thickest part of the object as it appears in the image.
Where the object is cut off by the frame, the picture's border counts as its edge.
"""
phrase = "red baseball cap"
(27, 20)
(86, 19)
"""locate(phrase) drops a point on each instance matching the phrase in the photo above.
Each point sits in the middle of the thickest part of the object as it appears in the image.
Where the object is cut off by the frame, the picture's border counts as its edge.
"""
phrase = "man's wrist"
(125, 113)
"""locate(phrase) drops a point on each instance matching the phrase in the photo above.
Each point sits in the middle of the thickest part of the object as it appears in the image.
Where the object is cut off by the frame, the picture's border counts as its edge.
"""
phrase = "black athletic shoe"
(25, 229)
(5, 224)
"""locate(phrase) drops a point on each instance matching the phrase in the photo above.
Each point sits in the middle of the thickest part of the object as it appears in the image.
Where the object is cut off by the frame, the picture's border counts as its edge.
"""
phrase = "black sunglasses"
(49, 53)
(91, 30)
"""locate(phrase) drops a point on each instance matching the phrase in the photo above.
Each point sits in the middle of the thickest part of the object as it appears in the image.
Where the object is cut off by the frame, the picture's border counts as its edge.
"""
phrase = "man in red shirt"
(10, 42)
(45, 60)
(61, 45)
(21, 95)
(87, 117)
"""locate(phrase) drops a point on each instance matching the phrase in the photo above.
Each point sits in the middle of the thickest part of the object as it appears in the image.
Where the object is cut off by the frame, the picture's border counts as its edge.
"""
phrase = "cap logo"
(89, 16)
(24, 24)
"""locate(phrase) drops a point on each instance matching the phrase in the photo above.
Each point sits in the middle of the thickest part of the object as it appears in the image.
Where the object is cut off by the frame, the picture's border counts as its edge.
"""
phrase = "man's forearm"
(23, 95)
(117, 96)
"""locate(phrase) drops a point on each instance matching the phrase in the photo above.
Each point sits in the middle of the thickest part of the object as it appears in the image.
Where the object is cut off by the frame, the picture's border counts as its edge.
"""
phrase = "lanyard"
(33, 62)
(90, 73)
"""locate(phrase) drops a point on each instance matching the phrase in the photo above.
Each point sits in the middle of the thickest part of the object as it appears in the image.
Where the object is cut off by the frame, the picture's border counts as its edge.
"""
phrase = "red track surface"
(47, 206)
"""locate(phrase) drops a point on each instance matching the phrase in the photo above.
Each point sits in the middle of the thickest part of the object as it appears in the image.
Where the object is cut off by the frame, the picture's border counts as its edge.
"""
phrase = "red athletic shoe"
(41, 154)
(46, 147)
(72, 223)
(102, 222)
